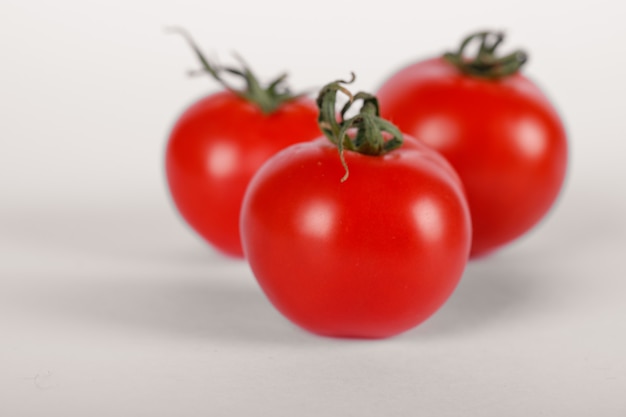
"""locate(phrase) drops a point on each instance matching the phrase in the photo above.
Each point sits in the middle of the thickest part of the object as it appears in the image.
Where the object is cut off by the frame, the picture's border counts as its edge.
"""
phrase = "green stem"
(268, 99)
(486, 64)
(369, 138)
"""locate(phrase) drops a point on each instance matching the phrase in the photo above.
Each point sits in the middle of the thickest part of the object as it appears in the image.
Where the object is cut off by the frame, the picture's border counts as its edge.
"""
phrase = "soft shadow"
(225, 305)
(581, 220)
(492, 291)
(522, 278)
(207, 309)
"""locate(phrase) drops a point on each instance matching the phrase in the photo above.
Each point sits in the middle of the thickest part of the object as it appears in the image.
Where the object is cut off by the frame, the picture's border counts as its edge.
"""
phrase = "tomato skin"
(503, 137)
(369, 257)
(214, 149)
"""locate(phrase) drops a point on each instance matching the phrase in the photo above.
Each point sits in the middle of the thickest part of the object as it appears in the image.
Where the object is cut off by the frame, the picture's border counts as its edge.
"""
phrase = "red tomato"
(501, 134)
(214, 150)
(371, 256)
(219, 142)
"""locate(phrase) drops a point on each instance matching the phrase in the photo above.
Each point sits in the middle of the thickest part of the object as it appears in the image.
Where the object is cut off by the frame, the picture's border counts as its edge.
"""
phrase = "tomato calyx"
(486, 64)
(369, 138)
(268, 98)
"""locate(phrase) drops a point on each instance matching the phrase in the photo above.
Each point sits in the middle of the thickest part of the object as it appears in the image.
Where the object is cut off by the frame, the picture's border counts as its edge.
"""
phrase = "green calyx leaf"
(268, 99)
(486, 64)
(370, 127)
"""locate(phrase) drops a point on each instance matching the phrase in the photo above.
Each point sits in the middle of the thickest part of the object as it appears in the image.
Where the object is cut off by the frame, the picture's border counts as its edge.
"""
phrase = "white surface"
(110, 306)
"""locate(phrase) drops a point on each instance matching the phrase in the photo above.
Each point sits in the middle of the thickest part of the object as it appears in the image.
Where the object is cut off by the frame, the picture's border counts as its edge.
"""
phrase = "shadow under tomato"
(532, 274)
(492, 292)
(204, 301)
(206, 309)
(222, 304)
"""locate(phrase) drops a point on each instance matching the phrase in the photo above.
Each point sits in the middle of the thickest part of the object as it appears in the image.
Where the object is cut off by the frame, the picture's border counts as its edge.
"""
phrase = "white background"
(111, 306)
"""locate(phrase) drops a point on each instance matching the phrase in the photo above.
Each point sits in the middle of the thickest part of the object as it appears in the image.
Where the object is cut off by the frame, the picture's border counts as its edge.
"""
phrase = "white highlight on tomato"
(440, 132)
(317, 219)
(222, 159)
(530, 137)
(427, 217)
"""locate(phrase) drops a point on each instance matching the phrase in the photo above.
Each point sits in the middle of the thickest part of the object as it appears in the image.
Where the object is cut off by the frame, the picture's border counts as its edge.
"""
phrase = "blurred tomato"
(494, 125)
(219, 142)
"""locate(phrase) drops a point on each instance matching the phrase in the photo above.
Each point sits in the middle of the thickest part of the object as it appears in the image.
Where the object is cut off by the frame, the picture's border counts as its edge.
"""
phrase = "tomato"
(217, 145)
(214, 150)
(494, 125)
(371, 256)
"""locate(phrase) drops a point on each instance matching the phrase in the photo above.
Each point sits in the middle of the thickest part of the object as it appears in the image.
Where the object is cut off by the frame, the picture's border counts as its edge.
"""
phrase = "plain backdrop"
(110, 305)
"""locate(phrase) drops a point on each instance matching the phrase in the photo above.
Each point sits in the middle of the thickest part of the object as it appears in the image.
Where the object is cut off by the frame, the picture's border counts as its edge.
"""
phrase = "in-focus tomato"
(494, 125)
(369, 256)
(219, 142)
